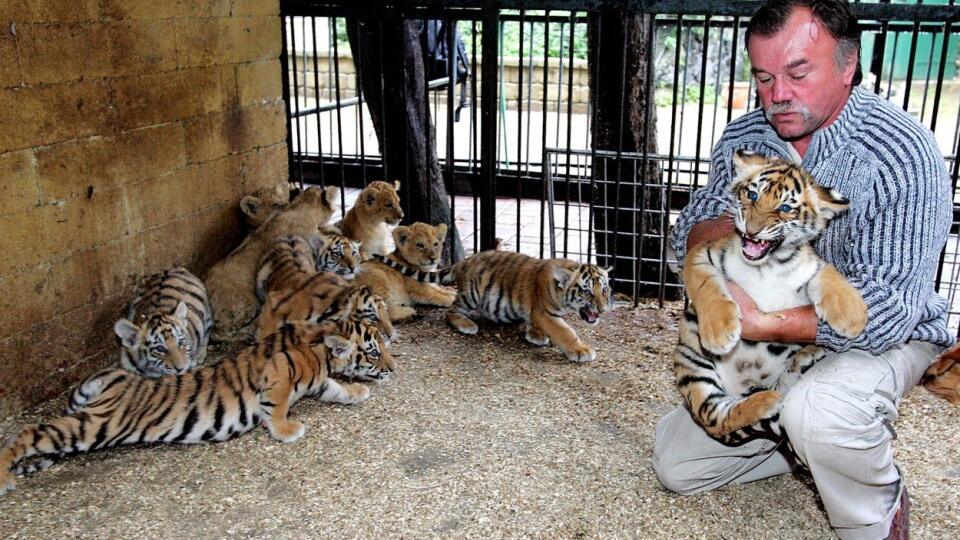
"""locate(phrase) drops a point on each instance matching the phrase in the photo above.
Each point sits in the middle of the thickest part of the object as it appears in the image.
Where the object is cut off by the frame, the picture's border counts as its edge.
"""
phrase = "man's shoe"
(900, 527)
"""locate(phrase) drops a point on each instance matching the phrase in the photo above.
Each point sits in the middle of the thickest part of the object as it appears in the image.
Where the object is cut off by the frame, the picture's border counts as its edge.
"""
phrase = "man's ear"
(127, 332)
(400, 235)
(339, 347)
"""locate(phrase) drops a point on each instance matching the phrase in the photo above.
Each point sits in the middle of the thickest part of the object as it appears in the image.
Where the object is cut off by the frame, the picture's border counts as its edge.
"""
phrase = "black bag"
(434, 42)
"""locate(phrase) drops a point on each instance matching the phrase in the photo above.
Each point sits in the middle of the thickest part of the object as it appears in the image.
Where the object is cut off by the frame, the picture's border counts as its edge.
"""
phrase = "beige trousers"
(839, 419)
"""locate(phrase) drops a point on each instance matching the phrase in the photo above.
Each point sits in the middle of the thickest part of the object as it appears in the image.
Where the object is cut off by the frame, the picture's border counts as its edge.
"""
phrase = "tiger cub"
(508, 287)
(214, 403)
(733, 387)
(292, 260)
(323, 297)
(377, 206)
(418, 247)
(167, 325)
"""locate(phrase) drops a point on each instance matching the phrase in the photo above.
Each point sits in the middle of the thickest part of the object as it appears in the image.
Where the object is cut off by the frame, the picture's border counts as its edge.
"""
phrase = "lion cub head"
(380, 202)
(262, 204)
(420, 244)
(780, 206)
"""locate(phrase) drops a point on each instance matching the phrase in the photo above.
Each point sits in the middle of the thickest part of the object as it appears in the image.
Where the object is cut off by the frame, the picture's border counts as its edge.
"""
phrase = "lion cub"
(419, 247)
(377, 207)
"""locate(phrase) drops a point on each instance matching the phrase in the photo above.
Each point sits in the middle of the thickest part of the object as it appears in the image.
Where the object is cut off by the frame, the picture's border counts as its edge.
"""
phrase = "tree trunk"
(618, 58)
(390, 64)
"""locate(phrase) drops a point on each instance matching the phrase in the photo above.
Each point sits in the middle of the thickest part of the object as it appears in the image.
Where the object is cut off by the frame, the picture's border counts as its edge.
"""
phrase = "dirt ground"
(474, 436)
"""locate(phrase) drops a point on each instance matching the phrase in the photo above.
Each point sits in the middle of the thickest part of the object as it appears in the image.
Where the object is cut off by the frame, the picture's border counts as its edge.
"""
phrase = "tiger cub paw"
(844, 310)
(719, 327)
(754, 408)
(287, 432)
(537, 337)
(463, 324)
(581, 353)
(8, 482)
(356, 393)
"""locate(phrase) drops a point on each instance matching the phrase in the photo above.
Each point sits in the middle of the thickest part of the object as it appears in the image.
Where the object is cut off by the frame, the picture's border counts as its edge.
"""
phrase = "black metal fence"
(519, 159)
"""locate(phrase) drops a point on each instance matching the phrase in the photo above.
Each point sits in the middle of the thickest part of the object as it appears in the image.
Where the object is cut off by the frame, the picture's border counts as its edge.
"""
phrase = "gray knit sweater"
(888, 244)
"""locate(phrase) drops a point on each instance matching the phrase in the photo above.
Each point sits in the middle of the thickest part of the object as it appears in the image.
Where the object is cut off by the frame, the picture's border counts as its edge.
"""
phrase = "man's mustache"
(788, 107)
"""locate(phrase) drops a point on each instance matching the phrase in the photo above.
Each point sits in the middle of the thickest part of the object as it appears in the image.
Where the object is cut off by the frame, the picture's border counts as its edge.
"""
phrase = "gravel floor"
(480, 436)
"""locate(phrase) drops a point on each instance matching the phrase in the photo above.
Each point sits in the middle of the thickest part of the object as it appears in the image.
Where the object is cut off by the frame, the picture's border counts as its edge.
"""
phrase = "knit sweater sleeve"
(895, 240)
(708, 202)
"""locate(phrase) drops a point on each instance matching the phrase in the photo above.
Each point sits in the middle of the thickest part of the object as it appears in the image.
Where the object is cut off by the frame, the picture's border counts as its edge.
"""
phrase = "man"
(805, 60)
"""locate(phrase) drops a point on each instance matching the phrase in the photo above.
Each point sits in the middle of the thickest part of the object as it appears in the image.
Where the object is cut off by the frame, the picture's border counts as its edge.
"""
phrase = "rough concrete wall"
(130, 128)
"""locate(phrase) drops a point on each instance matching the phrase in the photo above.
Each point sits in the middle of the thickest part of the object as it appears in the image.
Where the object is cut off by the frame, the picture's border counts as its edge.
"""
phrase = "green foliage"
(664, 94)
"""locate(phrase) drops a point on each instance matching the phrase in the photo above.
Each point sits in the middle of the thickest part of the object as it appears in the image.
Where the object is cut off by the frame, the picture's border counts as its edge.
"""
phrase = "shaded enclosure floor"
(474, 436)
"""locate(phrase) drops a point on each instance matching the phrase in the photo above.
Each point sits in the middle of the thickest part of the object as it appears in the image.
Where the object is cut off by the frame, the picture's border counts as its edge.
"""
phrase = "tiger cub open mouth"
(754, 249)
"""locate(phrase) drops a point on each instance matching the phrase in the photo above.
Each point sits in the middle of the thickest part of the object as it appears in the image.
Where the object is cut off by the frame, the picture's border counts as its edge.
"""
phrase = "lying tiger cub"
(508, 287)
(167, 325)
(215, 403)
(733, 388)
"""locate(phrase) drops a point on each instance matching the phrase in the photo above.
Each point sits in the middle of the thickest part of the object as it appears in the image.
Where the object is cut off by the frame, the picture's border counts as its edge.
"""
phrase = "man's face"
(800, 86)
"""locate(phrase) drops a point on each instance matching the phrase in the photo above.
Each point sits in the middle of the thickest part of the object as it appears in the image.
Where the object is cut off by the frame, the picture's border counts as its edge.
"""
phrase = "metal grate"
(520, 165)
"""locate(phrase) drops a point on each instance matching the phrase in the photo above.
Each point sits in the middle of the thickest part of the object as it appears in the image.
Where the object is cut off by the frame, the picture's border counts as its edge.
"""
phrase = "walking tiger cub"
(733, 387)
(214, 403)
(167, 325)
(419, 247)
(508, 287)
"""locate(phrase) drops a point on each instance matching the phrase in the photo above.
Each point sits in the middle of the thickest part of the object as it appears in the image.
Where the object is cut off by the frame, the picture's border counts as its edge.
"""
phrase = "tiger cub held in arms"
(214, 403)
(230, 282)
(377, 206)
(167, 325)
(508, 287)
(732, 387)
(418, 247)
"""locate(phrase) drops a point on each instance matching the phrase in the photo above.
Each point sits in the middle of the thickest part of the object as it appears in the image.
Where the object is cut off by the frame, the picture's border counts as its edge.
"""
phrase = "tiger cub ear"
(319, 242)
(441, 230)
(831, 202)
(181, 312)
(339, 347)
(128, 333)
(562, 276)
(356, 244)
(396, 185)
(745, 163)
(401, 234)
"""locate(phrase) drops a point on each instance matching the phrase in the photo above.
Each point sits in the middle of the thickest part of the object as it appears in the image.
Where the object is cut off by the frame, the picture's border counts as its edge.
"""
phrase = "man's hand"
(795, 325)
(710, 229)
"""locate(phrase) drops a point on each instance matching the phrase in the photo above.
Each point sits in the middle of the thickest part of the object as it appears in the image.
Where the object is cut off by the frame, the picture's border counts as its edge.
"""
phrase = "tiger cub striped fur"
(291, 260)
(323, 297)
(214, 403)
(418, 246)
(733, 387)
(167, 325)
(507, 287)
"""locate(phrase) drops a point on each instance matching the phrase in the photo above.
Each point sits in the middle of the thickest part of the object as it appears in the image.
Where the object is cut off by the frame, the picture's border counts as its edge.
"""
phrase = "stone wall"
(130, 128)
